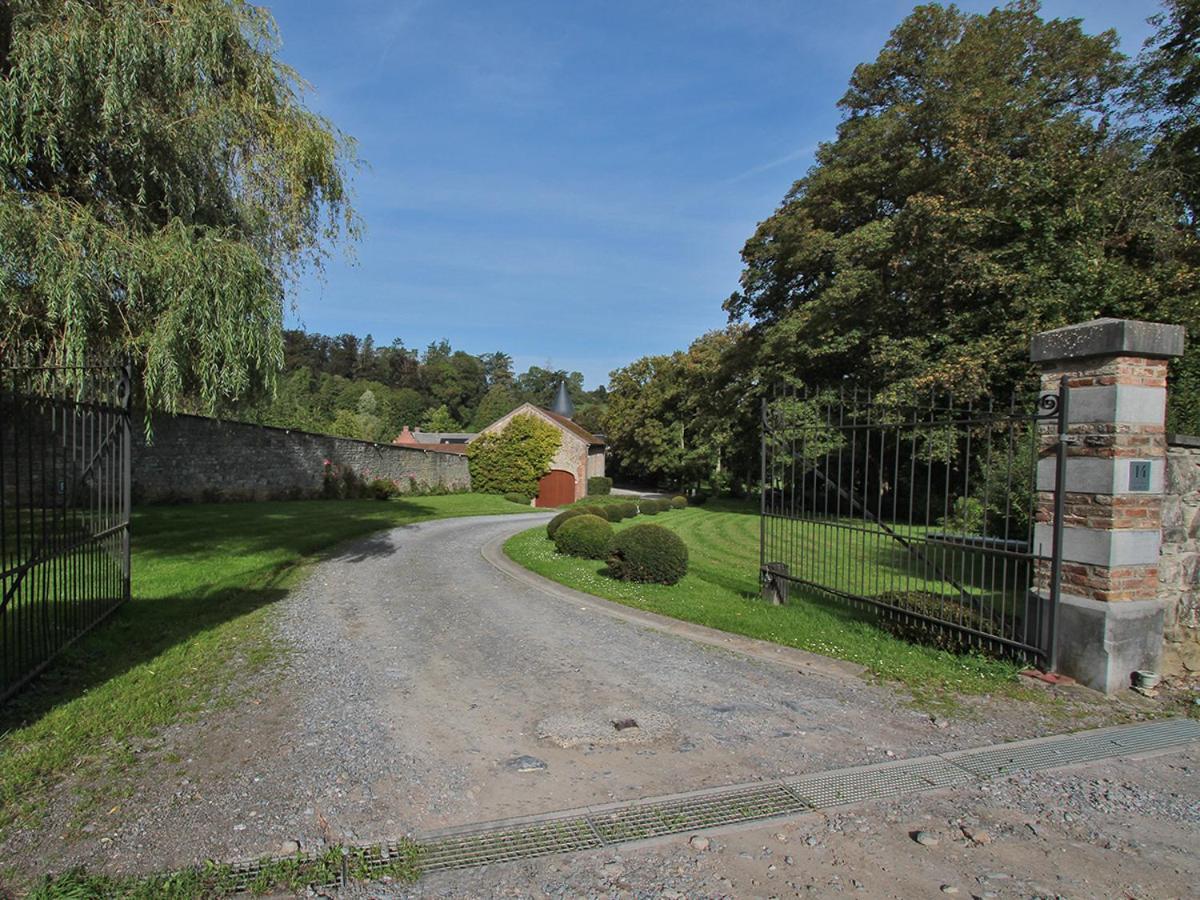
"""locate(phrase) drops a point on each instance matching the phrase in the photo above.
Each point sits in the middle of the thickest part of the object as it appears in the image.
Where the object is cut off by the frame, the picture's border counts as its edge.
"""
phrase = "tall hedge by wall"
(515, 458)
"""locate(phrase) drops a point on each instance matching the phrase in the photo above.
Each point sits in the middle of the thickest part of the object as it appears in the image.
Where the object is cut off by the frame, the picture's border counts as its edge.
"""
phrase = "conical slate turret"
(562, 402)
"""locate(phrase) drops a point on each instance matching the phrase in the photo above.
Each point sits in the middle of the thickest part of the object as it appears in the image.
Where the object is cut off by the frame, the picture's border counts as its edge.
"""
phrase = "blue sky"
(572, 182)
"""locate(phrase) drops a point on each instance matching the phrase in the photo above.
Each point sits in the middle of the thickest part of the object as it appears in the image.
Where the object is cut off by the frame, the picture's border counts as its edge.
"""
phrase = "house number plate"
(1139, 475)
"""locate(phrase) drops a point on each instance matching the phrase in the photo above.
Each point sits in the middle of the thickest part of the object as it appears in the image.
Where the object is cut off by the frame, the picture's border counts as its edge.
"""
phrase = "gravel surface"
(422, 683)
(1124, 828)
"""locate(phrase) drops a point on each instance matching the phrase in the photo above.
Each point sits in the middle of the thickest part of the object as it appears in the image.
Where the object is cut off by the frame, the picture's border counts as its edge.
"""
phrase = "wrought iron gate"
(64, 509)
(928, 517)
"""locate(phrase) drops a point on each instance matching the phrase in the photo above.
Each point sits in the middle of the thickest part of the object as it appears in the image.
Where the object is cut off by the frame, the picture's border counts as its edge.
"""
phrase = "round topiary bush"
(649, 507)
(699, 498)
(628, 510)
(517, 498)
(598, 485)
(586, 536)
(614, 512)
(553, 525)
(678, 502)
(648, 553)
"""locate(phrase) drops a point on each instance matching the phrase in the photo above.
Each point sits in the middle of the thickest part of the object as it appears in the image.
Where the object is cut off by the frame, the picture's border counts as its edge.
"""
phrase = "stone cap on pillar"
(1108, 337)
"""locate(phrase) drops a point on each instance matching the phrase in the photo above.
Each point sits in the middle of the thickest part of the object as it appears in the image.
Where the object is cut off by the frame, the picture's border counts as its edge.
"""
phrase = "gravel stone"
(415, 670)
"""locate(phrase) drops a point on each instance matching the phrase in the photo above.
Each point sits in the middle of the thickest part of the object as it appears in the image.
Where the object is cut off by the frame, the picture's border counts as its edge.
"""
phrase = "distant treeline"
(346, 385)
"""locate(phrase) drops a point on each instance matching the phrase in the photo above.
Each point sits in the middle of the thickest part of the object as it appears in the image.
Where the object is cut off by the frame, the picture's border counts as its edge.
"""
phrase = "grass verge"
(204, 579)
(213, 880)
(721, 591)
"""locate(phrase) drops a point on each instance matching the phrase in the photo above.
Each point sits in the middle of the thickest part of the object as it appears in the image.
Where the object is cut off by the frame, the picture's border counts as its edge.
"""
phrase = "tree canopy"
(685, 417)
(161, 183)
(985, 184)
(993, 176)
(324, 379)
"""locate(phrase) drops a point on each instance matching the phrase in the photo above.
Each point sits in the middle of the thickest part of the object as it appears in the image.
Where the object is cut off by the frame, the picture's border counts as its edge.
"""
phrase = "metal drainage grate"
(1158, 735)
(1070, 749)
(246, 876)
(491, 845)
(593, 829)
(827, 789)
(645, 820)
(378, 858)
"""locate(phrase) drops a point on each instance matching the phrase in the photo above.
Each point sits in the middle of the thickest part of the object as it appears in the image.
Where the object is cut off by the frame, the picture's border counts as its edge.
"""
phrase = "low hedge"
(382, 489)
(553, 525)
(513, 497)
(648, 553)
(598, 486)
(943, 606)
(587, 536)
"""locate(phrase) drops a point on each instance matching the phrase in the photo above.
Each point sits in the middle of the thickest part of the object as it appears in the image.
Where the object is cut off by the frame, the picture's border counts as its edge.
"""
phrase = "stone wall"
(197, 458)
(1179, 565)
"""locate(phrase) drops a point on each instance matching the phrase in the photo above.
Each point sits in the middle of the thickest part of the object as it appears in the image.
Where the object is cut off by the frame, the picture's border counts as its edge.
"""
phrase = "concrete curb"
(493, 552)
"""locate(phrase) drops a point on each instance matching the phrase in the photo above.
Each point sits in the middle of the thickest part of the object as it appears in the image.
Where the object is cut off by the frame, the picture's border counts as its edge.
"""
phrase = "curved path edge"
(493, 552)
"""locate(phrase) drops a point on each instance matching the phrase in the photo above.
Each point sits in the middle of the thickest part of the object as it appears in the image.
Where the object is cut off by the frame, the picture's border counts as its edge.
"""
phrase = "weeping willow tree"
(161, 184)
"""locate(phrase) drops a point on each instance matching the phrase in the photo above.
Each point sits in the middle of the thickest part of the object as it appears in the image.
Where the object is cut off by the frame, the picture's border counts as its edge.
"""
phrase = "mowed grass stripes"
(721, 590)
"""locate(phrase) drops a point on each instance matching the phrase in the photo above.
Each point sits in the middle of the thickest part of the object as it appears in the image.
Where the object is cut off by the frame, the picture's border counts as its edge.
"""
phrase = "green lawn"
(204, 579)
(721, 591)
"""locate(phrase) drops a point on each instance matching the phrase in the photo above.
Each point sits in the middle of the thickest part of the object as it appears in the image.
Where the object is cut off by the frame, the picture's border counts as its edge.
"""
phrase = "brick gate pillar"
(1110, 622)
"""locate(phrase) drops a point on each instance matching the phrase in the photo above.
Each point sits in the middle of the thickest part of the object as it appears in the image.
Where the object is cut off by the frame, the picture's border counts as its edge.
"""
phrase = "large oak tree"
(984, 185)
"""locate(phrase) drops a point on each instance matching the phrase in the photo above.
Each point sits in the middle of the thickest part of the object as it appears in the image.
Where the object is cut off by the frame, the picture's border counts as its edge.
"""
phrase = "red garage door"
(555, 488)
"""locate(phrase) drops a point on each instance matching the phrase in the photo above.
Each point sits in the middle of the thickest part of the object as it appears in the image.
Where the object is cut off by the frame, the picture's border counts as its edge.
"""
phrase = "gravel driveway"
(426, 689)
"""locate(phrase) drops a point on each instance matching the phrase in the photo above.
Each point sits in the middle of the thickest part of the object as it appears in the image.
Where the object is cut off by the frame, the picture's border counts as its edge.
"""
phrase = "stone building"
(579, 457)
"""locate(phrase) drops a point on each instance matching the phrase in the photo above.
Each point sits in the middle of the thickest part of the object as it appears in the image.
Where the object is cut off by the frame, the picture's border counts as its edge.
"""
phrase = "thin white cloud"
(771, 164)
(391, 25)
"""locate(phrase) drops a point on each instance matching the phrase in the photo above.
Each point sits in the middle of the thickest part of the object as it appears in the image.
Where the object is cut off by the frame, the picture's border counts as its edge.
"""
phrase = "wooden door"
(555, 488)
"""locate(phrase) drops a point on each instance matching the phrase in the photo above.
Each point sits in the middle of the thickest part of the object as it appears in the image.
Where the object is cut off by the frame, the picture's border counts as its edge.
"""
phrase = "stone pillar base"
(1100, 644)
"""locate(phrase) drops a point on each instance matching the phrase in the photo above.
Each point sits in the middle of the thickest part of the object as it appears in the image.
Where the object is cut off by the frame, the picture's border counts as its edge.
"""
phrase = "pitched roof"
(459, 449)
(577, 430)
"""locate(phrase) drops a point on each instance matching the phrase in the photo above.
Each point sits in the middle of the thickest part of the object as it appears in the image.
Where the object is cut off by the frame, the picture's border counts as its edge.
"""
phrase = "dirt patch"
(608, 727)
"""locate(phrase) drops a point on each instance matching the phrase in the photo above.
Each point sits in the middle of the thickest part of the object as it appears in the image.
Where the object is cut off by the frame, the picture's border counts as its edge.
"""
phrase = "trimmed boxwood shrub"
(649, 507)
(679, 502)
(587, 536)
(598, 486)
(628, 510)
(614, 512)
(513, 497)
(553, 525)
(699, 498)
(648, 553)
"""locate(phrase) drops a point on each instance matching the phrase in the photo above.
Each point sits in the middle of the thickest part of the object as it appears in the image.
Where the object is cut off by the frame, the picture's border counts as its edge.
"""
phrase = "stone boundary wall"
(194, 458)
(1179, 564)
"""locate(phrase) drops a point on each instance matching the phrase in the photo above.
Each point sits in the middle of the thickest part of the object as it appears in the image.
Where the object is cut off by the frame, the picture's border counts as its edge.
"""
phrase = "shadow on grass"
(139, 631)
(197, 567)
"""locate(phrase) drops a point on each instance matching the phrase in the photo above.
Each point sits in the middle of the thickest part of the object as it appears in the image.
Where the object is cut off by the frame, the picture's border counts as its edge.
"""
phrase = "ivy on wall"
(513, 459)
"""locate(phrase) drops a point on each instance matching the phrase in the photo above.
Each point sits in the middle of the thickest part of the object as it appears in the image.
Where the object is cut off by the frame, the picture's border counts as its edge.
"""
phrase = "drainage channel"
(592, 828)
